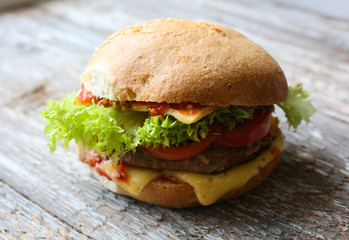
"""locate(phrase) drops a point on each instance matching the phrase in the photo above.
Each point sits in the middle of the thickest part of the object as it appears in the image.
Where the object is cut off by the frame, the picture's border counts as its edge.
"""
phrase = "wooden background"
(45, 45)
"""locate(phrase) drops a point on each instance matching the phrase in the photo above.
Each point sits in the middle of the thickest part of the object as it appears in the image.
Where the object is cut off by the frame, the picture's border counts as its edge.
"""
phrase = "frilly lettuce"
(113, 131)
(168, 131)
(95, 126)
(296, 107)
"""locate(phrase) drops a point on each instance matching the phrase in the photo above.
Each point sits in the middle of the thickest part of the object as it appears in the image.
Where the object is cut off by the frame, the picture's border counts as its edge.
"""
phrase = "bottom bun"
(172, 194)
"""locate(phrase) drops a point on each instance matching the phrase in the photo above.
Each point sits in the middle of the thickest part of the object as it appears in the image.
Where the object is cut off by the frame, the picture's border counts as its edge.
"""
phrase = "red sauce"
(100, 162)
(120, 173)
(187, 108)
(102, 173)
(93, 160)
(275, 151)
(155, 109)
(85, 97)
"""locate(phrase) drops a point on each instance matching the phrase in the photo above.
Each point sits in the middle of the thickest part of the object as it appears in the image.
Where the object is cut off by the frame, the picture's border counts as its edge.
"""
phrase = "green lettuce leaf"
(113, 131)
(229, 117)
(168, 131)
(296, 107)
(95, 126)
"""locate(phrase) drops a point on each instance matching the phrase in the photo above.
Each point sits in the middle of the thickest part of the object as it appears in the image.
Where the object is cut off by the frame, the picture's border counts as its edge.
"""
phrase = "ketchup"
(102, 173)
(104, 164)
(187, 108)
(155, 109)
(120, 173)
(85, 97)
(275, 151)
(93, 160)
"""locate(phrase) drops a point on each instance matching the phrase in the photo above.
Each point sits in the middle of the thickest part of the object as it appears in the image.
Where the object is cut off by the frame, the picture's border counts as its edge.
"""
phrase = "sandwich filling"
(134, 143)
(184, 112)
(207, 187)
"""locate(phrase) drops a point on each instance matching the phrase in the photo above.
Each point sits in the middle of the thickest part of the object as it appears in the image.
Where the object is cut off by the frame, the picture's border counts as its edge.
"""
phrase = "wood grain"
(44, 48)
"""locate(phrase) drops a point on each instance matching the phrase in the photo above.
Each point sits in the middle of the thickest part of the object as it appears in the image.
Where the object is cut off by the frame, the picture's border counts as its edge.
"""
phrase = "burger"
(178, 113)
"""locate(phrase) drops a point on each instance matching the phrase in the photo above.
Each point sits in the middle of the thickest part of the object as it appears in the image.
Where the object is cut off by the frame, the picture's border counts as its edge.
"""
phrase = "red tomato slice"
(243, 134)
(248, 132)
(181, 152)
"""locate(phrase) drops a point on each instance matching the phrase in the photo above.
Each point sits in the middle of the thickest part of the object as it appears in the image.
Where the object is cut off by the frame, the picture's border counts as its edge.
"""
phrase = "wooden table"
(44, 47)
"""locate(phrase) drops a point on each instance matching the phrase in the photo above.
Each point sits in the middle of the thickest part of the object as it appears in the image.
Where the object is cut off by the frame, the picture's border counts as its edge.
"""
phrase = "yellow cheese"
(208, 187)
(190, 118)
(135, 180)
(182, 116)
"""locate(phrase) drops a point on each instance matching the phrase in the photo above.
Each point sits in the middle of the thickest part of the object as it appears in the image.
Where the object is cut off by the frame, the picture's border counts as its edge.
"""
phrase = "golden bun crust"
(176, 60)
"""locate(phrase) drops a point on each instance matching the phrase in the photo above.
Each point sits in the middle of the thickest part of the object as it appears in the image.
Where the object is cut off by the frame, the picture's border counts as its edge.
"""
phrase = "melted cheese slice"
(137, 178)
(208, 187)
(181, 115)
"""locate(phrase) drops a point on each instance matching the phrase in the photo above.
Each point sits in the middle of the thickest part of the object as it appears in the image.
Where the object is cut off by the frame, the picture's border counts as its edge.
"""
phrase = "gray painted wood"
(44, 48)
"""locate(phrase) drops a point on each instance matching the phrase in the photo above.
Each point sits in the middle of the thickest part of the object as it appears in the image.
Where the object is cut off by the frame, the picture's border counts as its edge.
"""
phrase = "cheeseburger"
(178, 113)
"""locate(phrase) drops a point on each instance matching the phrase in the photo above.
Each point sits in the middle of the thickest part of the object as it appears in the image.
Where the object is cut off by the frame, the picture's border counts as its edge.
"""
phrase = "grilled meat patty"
(213, 160)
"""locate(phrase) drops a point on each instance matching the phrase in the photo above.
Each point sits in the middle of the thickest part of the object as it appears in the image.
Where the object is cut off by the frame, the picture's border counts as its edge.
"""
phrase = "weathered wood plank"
(23, 219)
(48, 45)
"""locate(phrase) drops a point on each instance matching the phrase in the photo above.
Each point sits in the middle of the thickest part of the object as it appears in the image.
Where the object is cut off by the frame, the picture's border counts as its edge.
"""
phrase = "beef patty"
(213, 160)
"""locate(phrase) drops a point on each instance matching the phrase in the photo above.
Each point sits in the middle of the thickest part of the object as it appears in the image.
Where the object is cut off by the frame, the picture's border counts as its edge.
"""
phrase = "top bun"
(176, 61)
